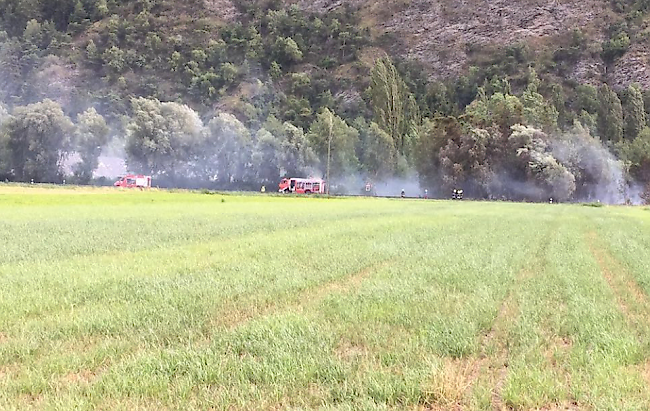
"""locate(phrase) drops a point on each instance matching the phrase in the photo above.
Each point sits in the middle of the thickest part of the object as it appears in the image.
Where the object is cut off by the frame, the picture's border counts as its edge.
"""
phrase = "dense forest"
(197, 99)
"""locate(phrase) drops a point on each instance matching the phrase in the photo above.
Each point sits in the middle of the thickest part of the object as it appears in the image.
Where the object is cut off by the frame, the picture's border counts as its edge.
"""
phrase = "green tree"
(113, 30)
(394, 106)
(501, 110)
(216, 52)
(142, 21)
(297, 156)
(378, 154)
(154, 43)
(559, 101)
(199, 56)
(433, 136)
(616, 46)
(34, 34)
(79, 17)
(175, 61)
(254, 44)
(38, 139)
(634, 112)
(91, 51)
(588, 121)
(228, 149)
(537, 111)
(275, 71)
(91, 135)
(267, 157)
(115, 59)
(101, 10)
(610, 115)
(465, 161)
(438, 99)
(300, 83)
(587, 99)
(330, 130)
(228, 73)
(286, 50)
(636, 154)
(11, 67)
(162, 136)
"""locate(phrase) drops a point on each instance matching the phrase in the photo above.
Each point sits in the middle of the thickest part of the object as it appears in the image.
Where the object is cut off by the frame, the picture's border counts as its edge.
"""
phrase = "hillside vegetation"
(256, 303)
(524, 100)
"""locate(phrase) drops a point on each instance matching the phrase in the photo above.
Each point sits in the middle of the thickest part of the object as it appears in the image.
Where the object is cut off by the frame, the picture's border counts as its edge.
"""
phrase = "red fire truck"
(134, 181)
(302, 185)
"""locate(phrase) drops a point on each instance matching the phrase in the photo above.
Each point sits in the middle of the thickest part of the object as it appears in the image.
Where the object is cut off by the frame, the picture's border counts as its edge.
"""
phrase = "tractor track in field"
(498, 363)
(460, 376)
(307, 298)
(633, 302)
(466, 373)
(498, 334)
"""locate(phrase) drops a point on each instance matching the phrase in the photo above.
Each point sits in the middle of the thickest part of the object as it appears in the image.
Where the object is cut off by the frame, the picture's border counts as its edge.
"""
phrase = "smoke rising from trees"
(503, 146)
(171, 142)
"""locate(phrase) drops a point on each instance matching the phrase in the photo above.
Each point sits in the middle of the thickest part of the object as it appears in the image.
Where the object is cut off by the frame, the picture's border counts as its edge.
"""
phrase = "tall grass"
(158, 300)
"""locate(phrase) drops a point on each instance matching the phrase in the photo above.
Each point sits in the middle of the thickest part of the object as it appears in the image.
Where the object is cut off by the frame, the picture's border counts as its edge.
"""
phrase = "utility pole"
(329, 150)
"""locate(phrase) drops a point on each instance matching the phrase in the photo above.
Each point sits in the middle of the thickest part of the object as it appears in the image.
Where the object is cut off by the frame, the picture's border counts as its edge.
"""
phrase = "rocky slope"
(444, 34)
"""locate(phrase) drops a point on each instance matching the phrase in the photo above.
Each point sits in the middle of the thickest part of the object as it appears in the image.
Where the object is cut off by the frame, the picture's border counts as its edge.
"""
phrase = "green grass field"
(174, 300)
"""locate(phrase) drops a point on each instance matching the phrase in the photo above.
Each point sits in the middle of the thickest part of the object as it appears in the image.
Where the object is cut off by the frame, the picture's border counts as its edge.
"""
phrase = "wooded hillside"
(522, 100)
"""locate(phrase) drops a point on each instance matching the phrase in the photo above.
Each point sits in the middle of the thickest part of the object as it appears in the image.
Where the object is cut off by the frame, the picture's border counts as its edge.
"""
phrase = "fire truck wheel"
(307, 192)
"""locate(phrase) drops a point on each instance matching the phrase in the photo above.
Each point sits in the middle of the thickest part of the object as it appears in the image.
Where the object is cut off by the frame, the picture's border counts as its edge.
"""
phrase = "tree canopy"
(38, 137)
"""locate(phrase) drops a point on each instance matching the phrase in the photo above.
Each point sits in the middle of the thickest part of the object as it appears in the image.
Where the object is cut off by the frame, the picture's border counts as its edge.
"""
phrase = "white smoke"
(393, 187)
(599, 175)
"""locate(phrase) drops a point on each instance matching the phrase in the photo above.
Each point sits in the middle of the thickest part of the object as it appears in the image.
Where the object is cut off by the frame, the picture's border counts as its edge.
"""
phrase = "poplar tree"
(610, 115)
(634, 112)
(393, 104)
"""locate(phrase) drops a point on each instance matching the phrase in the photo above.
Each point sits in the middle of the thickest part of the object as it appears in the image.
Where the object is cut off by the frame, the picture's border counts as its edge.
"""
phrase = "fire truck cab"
(302, 185)
(133, 181)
